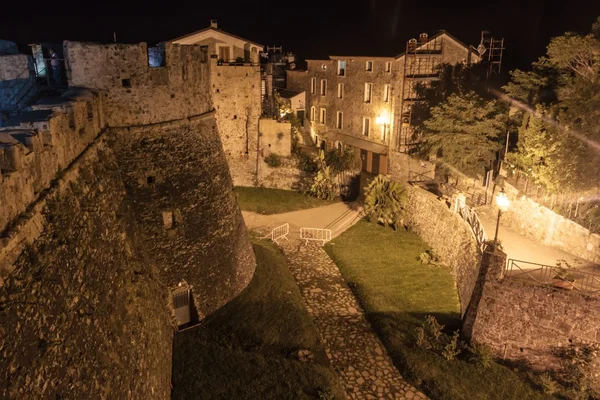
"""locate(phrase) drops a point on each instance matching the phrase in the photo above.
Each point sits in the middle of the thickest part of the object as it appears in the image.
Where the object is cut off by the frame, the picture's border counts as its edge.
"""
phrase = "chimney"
(213, 23)
(423, 37)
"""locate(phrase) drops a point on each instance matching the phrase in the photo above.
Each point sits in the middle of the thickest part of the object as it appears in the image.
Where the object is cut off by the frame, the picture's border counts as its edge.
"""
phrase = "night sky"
(311, 29)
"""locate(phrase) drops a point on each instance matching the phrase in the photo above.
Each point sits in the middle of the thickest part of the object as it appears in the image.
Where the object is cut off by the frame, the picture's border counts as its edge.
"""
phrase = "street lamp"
(503, 203)
(383, 120)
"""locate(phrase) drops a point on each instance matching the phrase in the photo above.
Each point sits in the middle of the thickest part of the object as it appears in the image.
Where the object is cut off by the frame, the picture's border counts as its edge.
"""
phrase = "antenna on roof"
(115, 36)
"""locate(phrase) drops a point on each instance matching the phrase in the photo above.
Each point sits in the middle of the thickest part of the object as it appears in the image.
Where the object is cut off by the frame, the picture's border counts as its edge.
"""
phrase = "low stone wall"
(288, 176)
(83, 312)
(523, 320)
(540, 223)
(449, 235)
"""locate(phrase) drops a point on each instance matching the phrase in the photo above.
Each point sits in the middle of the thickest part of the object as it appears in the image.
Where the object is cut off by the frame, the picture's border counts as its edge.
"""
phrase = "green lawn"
(398, 292)
(246, 350)
(274, 201)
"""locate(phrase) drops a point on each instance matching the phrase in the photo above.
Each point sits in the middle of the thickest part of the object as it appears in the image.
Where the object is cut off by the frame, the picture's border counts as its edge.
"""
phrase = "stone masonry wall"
(449, 236)
(134, 92)
(275, 137)
(520, 320)
(237, 102)
(542, 224)
(178, 181)
(39, 144)
(84, 314)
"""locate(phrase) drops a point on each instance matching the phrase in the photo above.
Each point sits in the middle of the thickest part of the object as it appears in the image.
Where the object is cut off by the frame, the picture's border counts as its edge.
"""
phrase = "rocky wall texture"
(37, 145)
(521, 320)
(449, 235)
(237, 102)
(178, 181)
(135, 93)
(542, 224)
(84, 314)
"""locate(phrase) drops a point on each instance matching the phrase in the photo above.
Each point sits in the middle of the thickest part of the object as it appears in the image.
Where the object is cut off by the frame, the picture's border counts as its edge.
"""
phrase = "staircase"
(346, 220)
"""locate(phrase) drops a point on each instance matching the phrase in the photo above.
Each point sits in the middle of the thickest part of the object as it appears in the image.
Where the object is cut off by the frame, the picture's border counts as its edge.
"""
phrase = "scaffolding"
(490, 49)
(422, 61)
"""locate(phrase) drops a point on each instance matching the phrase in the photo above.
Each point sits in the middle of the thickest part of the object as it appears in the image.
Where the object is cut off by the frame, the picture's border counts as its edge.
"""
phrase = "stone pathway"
(354, 350)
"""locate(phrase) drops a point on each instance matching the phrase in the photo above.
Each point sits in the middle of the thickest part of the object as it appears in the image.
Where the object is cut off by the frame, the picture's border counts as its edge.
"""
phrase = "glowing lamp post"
(383, 121)
(503, 203)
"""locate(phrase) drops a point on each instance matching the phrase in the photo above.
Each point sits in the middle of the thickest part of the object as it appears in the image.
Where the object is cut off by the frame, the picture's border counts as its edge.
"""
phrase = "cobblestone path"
(352, 347)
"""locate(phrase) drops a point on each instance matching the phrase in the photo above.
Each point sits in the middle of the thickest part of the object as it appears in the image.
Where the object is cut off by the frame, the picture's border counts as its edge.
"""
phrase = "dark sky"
(312, 29)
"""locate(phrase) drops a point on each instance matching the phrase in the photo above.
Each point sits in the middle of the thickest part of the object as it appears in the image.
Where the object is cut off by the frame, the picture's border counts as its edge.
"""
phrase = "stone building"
(240, 88)
(366, 102)
(227, 47)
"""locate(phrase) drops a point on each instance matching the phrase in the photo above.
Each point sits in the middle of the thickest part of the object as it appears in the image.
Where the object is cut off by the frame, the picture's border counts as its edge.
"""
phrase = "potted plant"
(563, 276)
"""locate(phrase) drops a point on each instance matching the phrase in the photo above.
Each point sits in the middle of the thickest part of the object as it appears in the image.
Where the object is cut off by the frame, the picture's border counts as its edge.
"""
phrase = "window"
(366, 126)
(313, 85)
(323, 87)
(313, 114)
(388, 66)
(369, 66)
(368, 91)
(225, 53)
(340, 90)
(385, 129)
(339, 121)
(126, 83)
(386, 93)
(323, 116)
(339, 146)
(341, 68)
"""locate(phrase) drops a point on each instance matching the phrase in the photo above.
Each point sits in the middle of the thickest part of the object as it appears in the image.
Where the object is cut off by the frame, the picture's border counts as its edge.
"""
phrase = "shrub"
(452, 347)
(307, 164)
(323, 187)
(481, 354)
(273, 160)
(429, 257)
(548, 384)
(429, 334)
(385, 201)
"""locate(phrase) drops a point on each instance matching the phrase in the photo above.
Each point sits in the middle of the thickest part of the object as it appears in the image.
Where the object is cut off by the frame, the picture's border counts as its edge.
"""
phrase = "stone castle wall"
(83, 311)
(236, 98)
(450, 237)
(102, 223)
(178, 181)
(134, 92)
(542, 224)
(39, 144)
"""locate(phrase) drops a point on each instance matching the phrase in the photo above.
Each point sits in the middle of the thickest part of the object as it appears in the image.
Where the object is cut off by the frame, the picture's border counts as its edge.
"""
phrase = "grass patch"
(246, 350)
(397, 292)
(274, 201)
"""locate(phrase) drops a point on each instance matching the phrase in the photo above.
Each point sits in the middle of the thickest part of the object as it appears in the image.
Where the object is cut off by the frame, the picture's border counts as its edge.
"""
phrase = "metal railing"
(316, 234)
(469, 215)
(280, 232)
(550, 275)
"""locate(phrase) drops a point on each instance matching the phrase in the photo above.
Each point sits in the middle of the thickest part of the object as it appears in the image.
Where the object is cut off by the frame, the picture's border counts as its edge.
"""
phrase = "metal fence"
(469, 215)
(550, 275)
(280, 232)
(316, 234)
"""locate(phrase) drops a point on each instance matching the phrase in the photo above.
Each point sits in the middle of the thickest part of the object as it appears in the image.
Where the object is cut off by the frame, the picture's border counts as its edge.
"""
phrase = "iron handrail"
(588, 282)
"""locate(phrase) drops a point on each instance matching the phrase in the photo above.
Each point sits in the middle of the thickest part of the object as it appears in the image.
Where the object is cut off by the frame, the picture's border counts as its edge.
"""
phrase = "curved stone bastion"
(87, 269)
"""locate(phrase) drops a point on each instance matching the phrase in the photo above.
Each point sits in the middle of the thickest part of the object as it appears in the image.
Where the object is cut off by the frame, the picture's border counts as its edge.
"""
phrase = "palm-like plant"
(385, 202)
(324, 186)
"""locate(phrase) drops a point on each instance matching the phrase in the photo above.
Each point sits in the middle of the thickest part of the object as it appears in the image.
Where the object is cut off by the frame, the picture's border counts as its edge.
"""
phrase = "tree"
(385, 201)
(466, 132)
(567, 129)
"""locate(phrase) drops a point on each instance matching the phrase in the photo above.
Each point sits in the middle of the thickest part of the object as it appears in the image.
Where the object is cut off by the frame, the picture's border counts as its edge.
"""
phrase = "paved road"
(519, 247)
